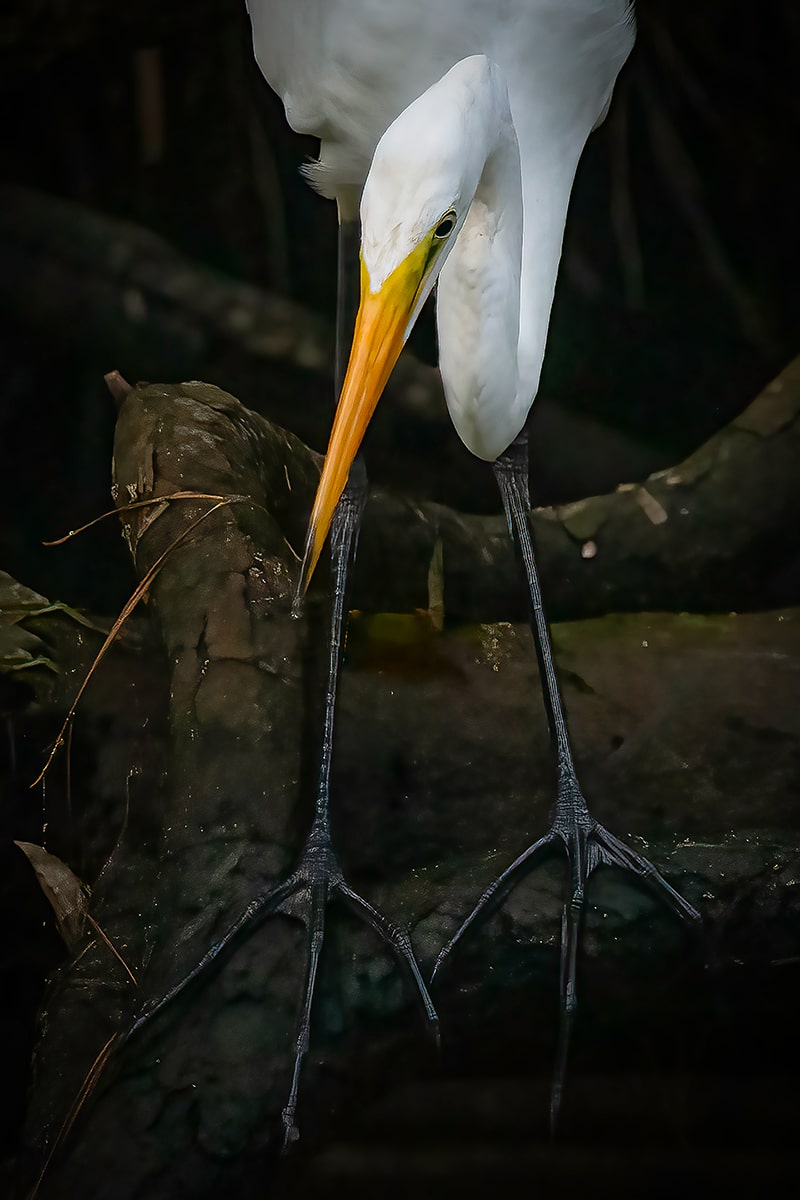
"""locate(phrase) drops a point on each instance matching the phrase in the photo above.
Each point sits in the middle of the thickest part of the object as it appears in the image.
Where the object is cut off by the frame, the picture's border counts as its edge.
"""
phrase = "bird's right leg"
(318, 870)
(317, 876)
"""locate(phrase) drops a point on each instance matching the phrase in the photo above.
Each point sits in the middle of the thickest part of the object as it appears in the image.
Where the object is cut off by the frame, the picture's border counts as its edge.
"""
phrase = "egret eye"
(445, 226)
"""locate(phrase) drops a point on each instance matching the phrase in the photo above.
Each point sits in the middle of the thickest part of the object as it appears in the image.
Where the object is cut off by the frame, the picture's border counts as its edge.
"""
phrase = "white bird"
(496, 140)
(455, 127)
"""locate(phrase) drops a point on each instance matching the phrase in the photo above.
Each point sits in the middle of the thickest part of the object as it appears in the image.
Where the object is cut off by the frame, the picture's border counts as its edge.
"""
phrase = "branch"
(702, 535)
(440, 755)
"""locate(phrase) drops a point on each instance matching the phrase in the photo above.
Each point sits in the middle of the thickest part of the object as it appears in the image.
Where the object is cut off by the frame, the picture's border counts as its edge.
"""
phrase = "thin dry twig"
(140, 590)
(114, 512)
(101, 933)
(84, 1092)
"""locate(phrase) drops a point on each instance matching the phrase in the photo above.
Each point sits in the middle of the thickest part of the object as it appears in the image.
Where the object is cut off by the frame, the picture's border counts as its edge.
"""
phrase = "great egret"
(463, 122)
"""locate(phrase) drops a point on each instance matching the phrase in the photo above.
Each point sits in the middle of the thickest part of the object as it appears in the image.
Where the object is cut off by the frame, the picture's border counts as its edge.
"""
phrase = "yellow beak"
(381, 329)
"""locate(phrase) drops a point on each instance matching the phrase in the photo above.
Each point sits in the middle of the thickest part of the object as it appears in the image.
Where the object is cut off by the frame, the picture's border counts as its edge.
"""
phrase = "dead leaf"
(20, 649)
(18, 602)
(67, 895)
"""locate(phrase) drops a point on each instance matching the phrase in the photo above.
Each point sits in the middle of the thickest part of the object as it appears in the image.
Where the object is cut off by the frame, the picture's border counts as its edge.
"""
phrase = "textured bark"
(697, 536)
(686, 728)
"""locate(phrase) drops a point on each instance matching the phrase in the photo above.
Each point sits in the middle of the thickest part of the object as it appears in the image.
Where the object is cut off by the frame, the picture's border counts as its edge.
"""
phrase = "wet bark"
(698, 536)
(686, 729)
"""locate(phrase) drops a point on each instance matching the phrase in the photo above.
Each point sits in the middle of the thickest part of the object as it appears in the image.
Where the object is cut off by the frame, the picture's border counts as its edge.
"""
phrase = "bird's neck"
(478, 301)
(496, 288)
(546, 187)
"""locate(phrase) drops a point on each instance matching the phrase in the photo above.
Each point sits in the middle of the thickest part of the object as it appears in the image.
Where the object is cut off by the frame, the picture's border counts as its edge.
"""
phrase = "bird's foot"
(588, 845)
(306, 893)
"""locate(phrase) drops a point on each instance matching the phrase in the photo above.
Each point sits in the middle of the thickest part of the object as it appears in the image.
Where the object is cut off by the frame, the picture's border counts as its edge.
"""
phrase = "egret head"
(422, 180)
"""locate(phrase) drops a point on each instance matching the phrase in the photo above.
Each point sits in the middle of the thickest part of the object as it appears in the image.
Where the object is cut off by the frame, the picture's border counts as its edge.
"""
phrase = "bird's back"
(346, 68)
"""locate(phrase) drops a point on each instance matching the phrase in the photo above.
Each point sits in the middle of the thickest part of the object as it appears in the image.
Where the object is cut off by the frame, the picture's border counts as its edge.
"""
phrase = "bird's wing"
(346, 68)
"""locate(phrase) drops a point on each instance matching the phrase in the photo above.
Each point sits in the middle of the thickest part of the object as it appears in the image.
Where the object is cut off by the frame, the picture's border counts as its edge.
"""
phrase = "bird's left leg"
(587, 843)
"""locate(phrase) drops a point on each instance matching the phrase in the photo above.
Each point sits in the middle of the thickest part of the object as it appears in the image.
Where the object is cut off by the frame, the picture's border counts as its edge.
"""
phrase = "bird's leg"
(319, 867)
(317, 876)
(586, 842)
(318, 862)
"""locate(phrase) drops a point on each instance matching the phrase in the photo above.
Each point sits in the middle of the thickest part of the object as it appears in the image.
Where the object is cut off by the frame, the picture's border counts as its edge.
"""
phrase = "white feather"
(347, 69)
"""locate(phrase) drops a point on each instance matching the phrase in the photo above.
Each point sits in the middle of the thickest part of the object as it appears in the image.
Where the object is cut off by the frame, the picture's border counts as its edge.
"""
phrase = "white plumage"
(347, 69)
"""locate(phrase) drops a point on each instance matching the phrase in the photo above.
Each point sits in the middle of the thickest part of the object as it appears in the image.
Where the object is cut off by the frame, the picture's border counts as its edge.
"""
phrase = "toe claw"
(587, 845)
(494, 895)
(291, 1133)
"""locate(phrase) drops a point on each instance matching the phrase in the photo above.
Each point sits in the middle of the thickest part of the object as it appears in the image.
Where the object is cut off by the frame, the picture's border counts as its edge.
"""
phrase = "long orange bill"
(381, 328)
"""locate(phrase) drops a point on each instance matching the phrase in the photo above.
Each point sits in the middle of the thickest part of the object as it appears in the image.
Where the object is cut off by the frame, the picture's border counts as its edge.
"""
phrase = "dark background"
(677, 302)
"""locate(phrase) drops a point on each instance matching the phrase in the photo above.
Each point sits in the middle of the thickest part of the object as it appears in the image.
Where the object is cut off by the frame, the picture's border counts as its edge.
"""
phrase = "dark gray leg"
(586, 842)
(318, 871)
(318, 876)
